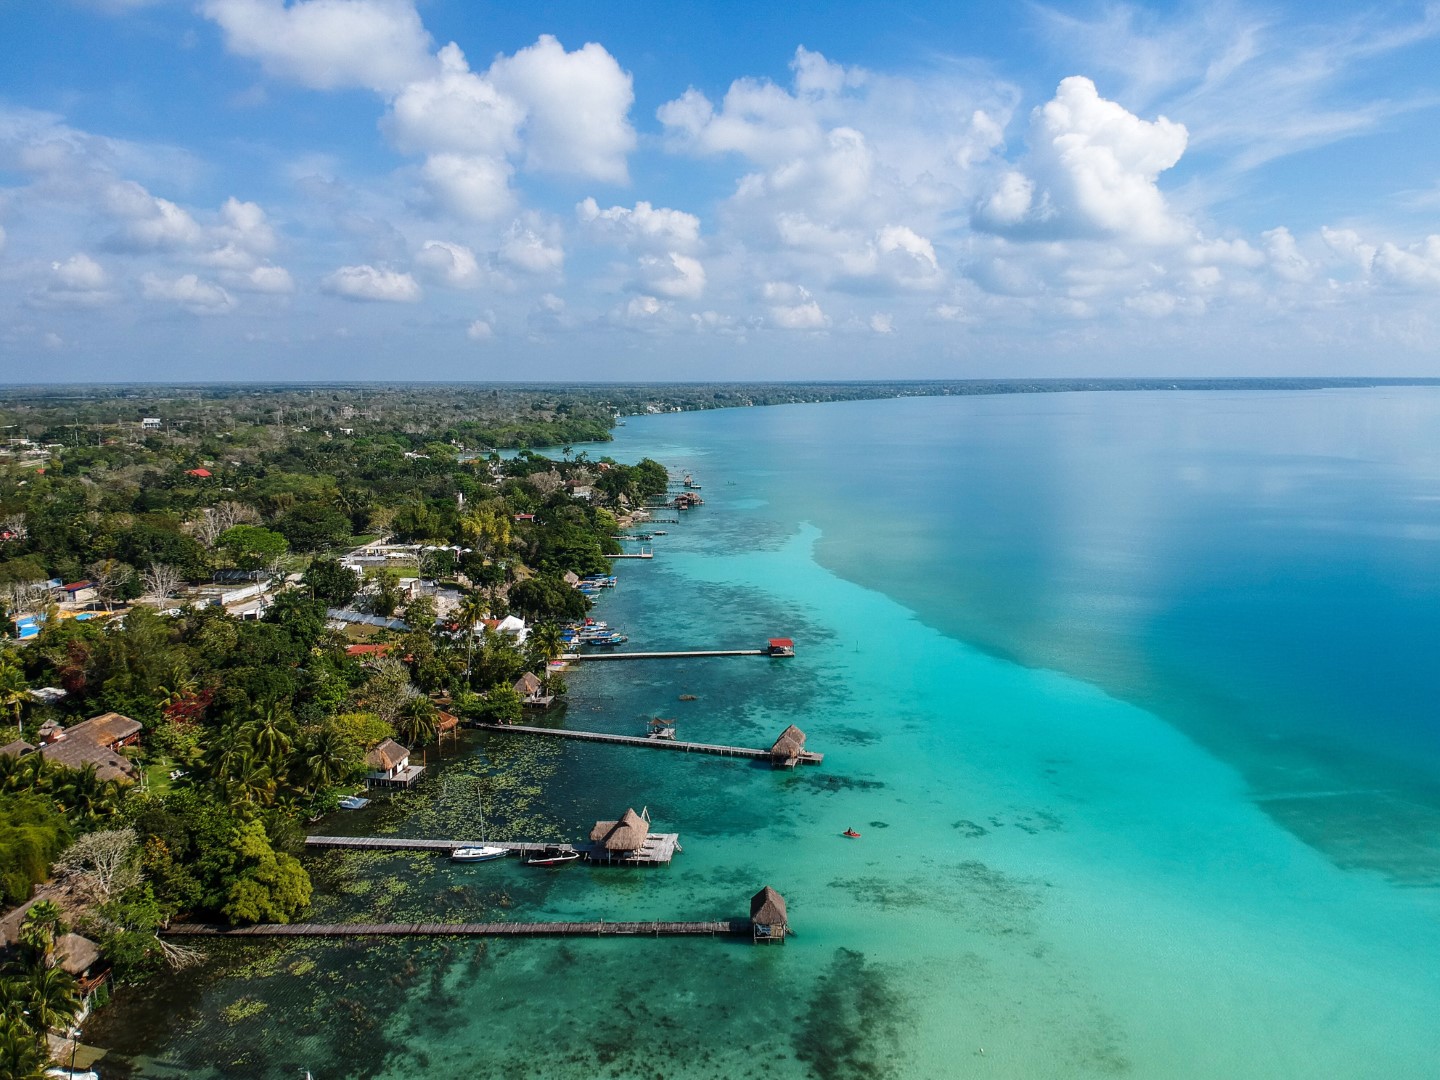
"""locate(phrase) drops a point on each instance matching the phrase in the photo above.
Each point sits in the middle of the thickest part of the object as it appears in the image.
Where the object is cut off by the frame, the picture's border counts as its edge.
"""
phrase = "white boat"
(354, 802)
(481, 852)
(477, 854)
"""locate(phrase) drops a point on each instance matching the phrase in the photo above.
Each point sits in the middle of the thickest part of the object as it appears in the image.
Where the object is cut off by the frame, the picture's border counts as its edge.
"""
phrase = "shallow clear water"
(1129, 695)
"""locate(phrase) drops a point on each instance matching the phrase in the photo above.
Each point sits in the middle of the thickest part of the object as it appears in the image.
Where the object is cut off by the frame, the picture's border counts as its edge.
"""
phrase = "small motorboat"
(552, 857)
(851, 833)
(477, 854)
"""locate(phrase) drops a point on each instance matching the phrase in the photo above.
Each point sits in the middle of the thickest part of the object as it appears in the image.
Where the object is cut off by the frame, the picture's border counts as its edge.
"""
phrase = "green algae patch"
(852, 1023)
(242, 1009)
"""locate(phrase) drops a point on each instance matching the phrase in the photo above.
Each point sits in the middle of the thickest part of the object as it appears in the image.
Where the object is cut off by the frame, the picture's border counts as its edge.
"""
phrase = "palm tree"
(547, 643)
(269, 736)
(469, 615)
(54, 1000)
(14, 690)
(415, 723)
(19, 1051)
(42, 925)
(250, 781)
(325, 758)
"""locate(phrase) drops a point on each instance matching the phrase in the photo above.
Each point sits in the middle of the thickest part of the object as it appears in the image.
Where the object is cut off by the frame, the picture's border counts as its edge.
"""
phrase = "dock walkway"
(655, 928)
(805, 758)
(659, 848)
(664, 655)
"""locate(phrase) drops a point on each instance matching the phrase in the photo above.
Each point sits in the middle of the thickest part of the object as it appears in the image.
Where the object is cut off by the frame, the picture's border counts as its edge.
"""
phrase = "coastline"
(1044, 871)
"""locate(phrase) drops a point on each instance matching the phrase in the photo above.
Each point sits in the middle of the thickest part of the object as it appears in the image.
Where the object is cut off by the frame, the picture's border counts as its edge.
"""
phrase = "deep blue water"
(1260, 568)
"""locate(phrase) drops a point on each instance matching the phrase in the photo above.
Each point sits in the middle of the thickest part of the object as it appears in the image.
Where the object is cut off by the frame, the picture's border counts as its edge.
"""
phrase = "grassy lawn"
(157, 776)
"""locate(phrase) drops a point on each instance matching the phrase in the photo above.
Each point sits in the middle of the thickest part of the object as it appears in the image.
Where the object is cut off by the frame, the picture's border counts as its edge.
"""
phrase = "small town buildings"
(79, 592)
(97, 741)
(390, 766)
(151, 423)
(512, 625)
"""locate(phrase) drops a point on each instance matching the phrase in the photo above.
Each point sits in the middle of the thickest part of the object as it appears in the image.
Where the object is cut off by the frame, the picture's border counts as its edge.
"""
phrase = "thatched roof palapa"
(528, 685)
(387, 755)
(627, 834)
(76, 954)
(790, 743)
(767, 907)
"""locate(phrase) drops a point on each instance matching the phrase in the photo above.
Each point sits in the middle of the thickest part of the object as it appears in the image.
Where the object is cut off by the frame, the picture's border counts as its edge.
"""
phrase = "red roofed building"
(781, 646)
(369, 650)
(203, 474)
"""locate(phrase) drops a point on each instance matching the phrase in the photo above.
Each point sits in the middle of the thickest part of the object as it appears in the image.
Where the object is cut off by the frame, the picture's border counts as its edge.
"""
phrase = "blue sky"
(450, 189)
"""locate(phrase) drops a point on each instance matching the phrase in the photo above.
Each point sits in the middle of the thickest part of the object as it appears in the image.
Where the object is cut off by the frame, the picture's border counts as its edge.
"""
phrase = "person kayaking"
(851, 833)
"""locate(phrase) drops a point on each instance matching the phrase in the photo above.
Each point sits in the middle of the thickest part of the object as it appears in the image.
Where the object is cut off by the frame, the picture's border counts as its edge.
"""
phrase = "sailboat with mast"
(481, 852)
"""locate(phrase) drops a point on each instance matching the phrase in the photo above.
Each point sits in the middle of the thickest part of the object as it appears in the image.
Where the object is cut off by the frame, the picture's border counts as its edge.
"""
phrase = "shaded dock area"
(802, 757)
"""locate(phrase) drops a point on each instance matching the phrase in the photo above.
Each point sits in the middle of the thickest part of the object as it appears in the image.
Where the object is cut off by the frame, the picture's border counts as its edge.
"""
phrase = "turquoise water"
(1128, 695)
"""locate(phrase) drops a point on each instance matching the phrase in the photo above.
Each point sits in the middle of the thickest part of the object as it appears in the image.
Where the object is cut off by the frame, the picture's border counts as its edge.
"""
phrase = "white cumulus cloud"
(328, 44)
(448, 264)
(577, 108)
(367, 282)
(480, 330)
(644, 226)
(1091, 171)
(470, 186)
(456, 111)
(528, 251)
(79, 282)
(274, 280)
(677, 276)
(191, 293)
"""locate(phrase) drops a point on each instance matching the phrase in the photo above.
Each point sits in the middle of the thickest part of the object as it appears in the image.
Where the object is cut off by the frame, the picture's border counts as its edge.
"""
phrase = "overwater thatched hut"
(623, 838)
(788, 748)
(767, 916)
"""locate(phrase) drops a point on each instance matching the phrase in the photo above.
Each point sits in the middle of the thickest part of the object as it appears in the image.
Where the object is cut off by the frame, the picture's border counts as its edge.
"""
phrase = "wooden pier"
(601, 928)
(659, 848)
(804, 758)
(635, 555)
(664, 655)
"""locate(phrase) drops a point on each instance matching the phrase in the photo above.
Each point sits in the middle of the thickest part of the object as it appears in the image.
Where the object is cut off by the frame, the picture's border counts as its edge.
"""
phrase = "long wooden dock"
(659, 848)
(805, 757)
(637, 555)
(664, 655)
(601, 928)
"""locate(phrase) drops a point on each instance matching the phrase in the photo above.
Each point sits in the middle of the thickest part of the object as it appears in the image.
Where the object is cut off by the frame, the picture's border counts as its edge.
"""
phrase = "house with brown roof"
(788, 748)
(390, 766)
(532, 691)
(97, 741)
(623, 838)
(767, 916)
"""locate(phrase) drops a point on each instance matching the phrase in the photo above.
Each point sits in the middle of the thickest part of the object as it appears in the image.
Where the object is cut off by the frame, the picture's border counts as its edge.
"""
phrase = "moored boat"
(552, 857)
(482, 853)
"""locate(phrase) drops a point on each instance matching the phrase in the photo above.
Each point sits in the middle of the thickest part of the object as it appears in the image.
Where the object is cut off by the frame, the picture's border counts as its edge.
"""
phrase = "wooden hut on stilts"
(785, 754)
(767, 917)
